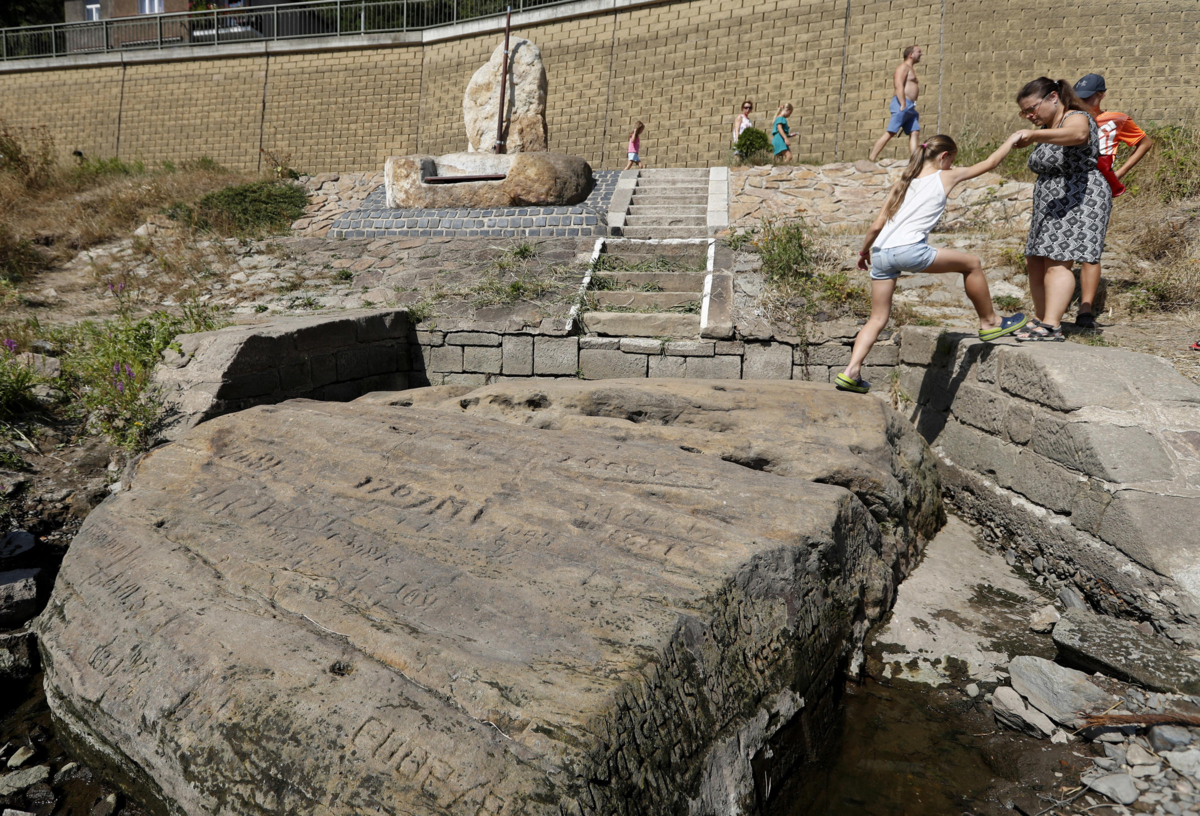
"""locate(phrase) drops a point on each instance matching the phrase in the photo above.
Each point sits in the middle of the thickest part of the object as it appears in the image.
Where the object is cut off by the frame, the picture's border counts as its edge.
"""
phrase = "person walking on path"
(1115, 128)
(635, 146)
(1071, 200)
(903, 107)
(781, 141)
(896, 242)
(743, 120)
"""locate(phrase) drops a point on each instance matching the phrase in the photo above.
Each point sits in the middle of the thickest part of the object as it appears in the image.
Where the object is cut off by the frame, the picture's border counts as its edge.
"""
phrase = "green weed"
(16, 380)
(343, 275)
(1007, 303)
(742, 240)
(1014, 258)
(245, 210)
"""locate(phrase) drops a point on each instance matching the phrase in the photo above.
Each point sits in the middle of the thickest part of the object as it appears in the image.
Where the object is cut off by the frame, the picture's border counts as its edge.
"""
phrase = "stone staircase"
(645, 288)
(668, 203)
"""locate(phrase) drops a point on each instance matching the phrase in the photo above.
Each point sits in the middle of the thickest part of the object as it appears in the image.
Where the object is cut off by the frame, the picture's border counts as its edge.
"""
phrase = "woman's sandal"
(1037, 330)
(1195, 346)
(844, 383)
(1007, 326)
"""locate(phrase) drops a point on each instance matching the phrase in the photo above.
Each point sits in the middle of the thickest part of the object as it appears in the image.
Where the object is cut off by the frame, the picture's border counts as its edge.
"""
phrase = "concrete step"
(665, 232)
(672, 189)
(667, 281)
(673, 173)
(626, 324)
(657, 199)
(680, 220)
(664, 209)
(646, 300)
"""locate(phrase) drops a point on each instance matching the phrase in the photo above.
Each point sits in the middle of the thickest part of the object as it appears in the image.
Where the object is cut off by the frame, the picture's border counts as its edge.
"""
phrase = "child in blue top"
(895, 243)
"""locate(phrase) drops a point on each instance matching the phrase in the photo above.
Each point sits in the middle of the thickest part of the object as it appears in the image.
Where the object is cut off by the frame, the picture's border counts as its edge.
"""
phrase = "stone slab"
(518, 355)
(555, 355)
(1117, 648)
(601, 364)
(408, 618)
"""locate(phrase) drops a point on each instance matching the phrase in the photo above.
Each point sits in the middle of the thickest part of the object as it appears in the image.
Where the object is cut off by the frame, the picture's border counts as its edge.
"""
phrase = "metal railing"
(323, 18)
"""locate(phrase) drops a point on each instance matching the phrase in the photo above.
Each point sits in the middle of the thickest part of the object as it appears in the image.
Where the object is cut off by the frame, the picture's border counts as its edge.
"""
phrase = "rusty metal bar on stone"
(499, 146)
(462, 179)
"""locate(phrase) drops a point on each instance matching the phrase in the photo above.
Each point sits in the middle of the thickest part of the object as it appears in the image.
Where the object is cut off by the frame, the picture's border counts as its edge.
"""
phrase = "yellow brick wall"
(78, 107)
(682, 67)
(175, 111)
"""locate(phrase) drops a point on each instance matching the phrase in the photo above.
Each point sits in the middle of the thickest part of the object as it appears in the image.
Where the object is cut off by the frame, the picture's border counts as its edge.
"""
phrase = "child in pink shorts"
(635, 147)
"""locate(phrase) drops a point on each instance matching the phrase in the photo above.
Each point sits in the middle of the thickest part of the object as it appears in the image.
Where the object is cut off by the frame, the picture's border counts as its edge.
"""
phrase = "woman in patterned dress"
(1071, 200)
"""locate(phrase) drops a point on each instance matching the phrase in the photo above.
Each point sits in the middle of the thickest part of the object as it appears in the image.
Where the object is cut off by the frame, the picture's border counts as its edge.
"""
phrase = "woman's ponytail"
(927, 150)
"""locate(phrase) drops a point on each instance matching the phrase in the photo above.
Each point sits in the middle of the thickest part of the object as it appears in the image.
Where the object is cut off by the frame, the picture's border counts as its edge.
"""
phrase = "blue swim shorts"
(907, 120)
(887, 264)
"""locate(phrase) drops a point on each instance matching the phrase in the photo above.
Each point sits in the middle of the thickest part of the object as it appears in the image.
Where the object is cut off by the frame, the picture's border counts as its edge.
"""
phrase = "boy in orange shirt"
(1115, 128)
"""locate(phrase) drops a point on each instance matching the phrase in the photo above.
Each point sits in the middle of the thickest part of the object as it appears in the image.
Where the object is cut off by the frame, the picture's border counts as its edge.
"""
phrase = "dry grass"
(64, 207)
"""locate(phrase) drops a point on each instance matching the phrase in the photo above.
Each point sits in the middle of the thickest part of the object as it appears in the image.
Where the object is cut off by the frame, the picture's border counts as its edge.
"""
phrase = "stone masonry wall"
(1087, 457)
(681, 67)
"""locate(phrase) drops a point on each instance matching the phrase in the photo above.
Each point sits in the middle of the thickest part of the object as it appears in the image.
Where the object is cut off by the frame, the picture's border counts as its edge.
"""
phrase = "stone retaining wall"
(1088, 458)
(340, 358)
(845, 194)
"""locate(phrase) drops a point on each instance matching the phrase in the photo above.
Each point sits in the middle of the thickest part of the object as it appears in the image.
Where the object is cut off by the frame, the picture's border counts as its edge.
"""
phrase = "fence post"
(4, 45)
(275, 25)
(53, 42)
(216, 34)
(362, 18)
(160, 31)
(339, 17)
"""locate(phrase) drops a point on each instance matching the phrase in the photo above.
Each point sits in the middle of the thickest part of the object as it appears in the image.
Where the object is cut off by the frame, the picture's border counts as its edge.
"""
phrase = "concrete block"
(483, 359)
(666, 365)
(364, 361)
(1067, 379)
(1088, 506)
(464, 379)
(392, 324)
(604, 364)
(1157, 531)
(446, 359)
(691, 348)
(729, 347)
(919, 346)
(258, 384)
(1018, 422)
(326, 335)
(518, 355)
(1042, 482)
(815, 373)
(592, 342)
(323, 368)
(981, 408)
(721, 367)
(1116, 453)
(255, 352)
(555, 355)
(431, 338)
(472, 339)
(295, 378)
(767, 361)
(641, 345)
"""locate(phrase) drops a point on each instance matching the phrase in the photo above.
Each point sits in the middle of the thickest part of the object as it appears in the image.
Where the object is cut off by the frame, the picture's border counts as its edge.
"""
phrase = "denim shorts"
(887, 264)
(906, 118)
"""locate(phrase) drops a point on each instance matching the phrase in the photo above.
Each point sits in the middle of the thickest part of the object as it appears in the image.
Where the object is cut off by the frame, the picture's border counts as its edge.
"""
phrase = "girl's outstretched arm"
(956, 174)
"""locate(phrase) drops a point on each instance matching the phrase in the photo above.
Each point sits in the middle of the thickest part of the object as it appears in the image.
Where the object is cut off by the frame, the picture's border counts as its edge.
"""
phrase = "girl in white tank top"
(896, 242)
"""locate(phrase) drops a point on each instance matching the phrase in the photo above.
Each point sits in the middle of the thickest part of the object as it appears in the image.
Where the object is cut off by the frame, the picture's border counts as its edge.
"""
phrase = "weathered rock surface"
(1118, 787)
(15, 781)
(18, 654)
(18, 596)
(1119, 649)
(1060, 693)
(531, 179)
(343, 608)
(524, 100)
(1011, 710)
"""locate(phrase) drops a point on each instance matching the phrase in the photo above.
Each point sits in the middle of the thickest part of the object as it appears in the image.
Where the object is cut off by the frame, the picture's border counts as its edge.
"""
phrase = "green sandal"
(1007, 326)
(844, 383)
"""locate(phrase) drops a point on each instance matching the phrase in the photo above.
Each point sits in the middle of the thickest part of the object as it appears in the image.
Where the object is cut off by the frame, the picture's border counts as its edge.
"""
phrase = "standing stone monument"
(525, 174)
(525, 101)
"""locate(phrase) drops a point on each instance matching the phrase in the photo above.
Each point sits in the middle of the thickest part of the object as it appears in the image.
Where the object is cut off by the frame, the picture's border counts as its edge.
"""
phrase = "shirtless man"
(903, 118)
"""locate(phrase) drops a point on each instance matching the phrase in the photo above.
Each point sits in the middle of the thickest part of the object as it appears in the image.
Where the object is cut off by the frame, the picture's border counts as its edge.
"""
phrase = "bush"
(29, 157)
(786, 252)
(16, 380)
(252, 209)
(19, 259)
(1171, 170)
(752, 141)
